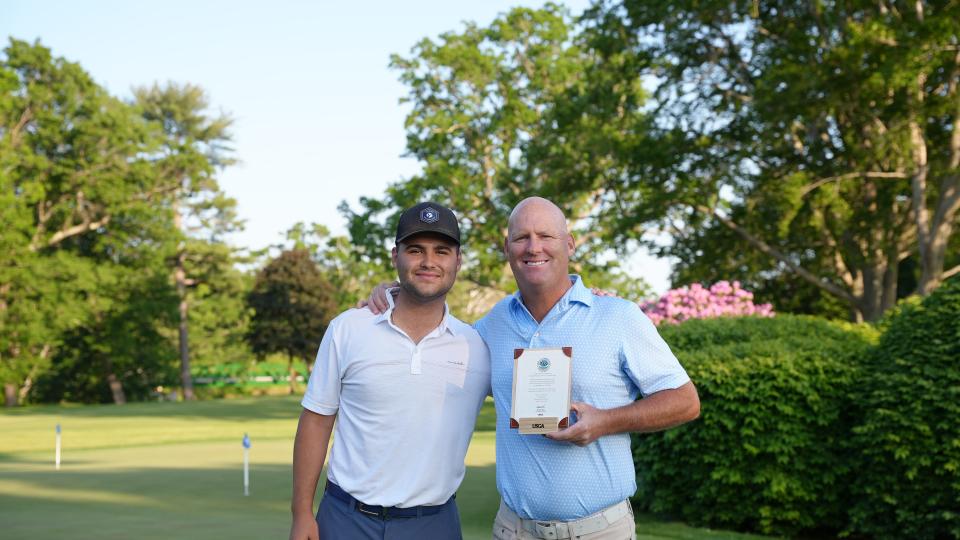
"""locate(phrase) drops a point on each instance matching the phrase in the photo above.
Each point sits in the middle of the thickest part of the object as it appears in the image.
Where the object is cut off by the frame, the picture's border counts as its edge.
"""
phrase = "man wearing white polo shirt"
(405, 388)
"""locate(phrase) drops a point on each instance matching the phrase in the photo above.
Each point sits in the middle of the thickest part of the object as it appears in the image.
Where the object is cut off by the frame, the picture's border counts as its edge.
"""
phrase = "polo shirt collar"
(444, 326)
(577, 293)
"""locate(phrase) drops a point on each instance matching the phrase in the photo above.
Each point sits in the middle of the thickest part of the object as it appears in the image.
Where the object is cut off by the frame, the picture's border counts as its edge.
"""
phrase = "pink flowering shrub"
(722, 299)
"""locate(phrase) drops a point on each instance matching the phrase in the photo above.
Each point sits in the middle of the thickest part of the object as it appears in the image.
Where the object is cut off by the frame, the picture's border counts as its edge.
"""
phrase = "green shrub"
(908, 482)
(767, 453)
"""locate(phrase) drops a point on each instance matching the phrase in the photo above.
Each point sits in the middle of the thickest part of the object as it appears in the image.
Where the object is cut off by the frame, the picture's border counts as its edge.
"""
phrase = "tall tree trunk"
(28, 381)
(891, 277)
(180, 276)
(9, 395)
(934, 239)
(933, 232)
(9, 389)
(879, 290)
(116, 385)
(933, 243)
(851, 299)
(185, 377)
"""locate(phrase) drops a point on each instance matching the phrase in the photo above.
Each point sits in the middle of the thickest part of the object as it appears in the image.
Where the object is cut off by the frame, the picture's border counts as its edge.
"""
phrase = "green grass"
(173, 470)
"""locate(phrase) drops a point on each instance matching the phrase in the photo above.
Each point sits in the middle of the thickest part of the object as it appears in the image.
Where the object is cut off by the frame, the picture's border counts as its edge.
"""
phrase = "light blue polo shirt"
(617, 355)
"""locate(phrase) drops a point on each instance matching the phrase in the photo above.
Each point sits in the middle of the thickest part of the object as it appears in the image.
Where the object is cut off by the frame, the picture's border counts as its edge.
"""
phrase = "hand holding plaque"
(542, 383)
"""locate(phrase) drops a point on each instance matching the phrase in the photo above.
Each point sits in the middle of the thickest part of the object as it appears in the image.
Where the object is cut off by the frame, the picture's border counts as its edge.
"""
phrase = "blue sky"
(316, 111)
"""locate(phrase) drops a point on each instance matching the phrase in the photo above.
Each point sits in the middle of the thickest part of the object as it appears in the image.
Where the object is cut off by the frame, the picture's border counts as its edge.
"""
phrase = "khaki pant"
(509, 526)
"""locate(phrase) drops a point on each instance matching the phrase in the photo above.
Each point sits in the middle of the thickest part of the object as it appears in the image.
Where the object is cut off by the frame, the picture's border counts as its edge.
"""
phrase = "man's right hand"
(304, 528)
(377, 302)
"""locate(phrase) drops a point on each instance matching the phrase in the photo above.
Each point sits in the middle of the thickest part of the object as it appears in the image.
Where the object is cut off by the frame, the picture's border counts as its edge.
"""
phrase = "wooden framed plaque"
(542, 384)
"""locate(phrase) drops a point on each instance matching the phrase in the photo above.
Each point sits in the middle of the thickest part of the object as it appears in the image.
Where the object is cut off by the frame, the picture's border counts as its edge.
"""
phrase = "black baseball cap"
(428, 217)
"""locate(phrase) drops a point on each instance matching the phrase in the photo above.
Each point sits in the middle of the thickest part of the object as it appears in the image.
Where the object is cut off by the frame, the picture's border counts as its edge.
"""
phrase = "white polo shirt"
(406, 411)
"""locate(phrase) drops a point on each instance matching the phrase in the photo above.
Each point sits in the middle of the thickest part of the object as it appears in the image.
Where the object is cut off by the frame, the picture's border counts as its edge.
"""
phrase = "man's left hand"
(588, 428)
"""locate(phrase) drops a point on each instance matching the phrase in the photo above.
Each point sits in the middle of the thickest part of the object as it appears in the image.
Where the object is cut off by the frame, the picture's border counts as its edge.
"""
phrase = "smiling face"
(539, 247)
(427, 266)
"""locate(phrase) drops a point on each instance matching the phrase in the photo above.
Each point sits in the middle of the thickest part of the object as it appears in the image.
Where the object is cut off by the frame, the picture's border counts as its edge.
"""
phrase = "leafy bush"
(767, 454)
(722, 299)
(908, 484)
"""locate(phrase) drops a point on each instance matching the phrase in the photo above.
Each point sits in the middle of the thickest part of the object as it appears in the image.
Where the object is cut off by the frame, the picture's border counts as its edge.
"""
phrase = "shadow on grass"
(35, 460)
(262, 408)
(145, 503)
(179, 503)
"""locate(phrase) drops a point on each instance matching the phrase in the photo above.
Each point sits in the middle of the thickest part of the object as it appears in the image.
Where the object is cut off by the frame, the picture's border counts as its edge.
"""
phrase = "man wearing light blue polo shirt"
(574, 483)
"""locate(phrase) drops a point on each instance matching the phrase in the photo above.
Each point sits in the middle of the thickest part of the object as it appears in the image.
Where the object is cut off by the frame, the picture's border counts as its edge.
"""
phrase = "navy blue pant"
(337, 520)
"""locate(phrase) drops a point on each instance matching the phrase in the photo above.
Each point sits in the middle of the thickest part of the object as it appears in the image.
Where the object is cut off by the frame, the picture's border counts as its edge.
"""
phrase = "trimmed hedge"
(768, 452)
(908, 484)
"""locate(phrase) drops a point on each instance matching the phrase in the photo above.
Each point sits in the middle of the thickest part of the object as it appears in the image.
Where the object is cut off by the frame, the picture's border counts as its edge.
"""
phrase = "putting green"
(174, 470)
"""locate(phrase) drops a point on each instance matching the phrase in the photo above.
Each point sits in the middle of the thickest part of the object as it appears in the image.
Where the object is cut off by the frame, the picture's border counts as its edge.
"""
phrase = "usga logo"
(429, 215)
(543, 364)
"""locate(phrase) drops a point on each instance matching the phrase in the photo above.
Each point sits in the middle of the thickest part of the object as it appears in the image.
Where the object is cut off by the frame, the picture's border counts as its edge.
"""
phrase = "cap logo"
(429, 215)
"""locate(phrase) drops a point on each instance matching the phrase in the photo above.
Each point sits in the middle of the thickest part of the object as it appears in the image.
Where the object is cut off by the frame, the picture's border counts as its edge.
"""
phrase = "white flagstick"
(57, 458)
(246, 465)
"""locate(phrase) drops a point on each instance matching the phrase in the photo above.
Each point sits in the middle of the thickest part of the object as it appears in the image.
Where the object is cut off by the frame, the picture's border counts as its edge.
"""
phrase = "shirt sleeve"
(646, 358)
(323, 389)
(481, 326)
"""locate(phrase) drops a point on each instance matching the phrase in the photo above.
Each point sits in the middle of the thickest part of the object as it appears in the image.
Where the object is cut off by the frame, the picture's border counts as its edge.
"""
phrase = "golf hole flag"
(246, 465)
(56, 458)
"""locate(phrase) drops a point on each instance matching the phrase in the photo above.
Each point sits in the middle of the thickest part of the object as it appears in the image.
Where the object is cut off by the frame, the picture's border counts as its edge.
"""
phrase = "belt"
(383, 512)
(556, 530)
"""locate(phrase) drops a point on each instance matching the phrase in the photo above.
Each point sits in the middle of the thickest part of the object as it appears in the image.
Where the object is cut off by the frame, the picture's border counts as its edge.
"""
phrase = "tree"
(499, 114)
(122, 342)
(219, 315)
(192, 149)
(825, 136)
(292, 305)
(76, 195)
(101, 200)
(351, 275)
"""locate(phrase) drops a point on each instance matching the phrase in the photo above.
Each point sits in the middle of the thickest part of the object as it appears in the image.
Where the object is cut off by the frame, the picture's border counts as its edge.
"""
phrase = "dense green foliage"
(823, 137)
(809, 151)
(97, 224)
(351, 272)
(768, 452)
(498, 113)
(120, 353)
(908, 439)
(191, 148)
(292, 305)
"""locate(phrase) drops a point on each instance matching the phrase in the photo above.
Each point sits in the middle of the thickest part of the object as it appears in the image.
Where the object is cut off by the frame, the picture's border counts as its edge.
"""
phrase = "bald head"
(545, 211)
(538, 247)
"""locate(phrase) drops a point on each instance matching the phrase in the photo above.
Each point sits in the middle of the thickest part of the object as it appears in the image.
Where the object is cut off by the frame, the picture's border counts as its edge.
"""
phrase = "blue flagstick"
(57, 456)
(246, 465)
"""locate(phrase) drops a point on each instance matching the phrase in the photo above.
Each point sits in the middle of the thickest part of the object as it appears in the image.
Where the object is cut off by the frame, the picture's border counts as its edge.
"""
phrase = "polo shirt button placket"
(416, 368)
